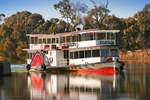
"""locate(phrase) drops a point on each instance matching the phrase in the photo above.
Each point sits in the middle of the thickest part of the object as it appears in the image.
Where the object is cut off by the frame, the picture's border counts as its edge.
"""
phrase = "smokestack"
(78, 29)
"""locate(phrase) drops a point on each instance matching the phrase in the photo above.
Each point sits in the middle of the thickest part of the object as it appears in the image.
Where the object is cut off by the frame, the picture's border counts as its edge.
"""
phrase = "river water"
(132, 84)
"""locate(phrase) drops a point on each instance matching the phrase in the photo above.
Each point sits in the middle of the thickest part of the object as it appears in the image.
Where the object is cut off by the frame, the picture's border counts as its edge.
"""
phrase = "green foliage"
(97, 16)
(134, 31)
(64, 9)
(13, 35)
(7, 48)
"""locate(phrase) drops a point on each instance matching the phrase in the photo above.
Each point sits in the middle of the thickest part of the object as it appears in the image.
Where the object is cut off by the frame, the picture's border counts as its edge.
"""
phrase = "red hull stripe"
(99, 73)
(99, 70)
(37, 58)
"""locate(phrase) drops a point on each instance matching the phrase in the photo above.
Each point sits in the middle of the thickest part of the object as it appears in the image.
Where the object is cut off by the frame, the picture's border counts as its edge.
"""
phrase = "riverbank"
(135, 55)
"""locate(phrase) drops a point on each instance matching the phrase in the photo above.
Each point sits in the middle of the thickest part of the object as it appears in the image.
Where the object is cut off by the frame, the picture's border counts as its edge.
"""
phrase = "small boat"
(92, 50)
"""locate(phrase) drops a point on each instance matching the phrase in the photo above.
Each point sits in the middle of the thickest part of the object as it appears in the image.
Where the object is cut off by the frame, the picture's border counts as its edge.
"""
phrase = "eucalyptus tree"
(96, 15)
(13, 34)
(1, 15)
(143, 22)
(71, 11)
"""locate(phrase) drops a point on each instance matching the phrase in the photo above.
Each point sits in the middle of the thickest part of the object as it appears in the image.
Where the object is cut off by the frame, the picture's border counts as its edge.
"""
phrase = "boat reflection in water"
(71, 86)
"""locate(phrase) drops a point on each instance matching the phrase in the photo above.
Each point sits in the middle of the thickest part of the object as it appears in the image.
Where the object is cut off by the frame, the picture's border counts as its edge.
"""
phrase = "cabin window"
(77, 38)
(56, 40)
(71, 55)
(44, 41)
(88, 36)
(100, 36)
(108, 36)
(83, 37)
(36, 40)
(66, 56)
(40, 41)
(91, 36)
(80, 35)
(29, 55)
(87, 53)
(53, 40)
(76, 55)
(95, 53)
(62, 40)
(73, 38)
(32, 40)
(114, 53)
(94, 36)
(81, 54)
(68, 39)
(112, 36)
(48, 40)
(104, 52)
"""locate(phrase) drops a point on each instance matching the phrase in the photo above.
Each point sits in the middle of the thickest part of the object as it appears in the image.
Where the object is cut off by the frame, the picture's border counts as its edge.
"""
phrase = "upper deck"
(76, 39)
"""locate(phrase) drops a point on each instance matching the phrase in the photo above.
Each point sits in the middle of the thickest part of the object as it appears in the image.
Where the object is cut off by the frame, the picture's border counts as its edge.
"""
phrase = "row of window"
(85, 53)
(75, 38)
(94, 53)
(30, 55)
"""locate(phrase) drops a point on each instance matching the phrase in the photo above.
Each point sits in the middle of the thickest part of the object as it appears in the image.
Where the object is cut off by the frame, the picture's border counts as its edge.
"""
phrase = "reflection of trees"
(14, 87)
(137, 82)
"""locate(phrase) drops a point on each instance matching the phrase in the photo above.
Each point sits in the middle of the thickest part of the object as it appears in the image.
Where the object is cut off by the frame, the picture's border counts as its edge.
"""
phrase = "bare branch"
(94, 4)
(107, 3)
(3, 15)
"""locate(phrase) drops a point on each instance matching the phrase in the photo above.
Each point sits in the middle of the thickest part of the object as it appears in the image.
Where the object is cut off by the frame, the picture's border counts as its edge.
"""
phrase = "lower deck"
(77, 56)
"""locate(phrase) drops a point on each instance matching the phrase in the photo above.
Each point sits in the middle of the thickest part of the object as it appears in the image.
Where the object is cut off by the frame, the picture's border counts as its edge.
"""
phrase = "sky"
(120, 8)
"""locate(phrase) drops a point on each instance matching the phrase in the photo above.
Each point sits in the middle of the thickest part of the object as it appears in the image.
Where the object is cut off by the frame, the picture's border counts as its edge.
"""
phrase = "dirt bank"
(135, 55)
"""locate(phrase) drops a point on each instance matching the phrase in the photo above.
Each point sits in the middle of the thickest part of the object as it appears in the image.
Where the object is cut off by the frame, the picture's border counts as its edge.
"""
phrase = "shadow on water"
(133, 83)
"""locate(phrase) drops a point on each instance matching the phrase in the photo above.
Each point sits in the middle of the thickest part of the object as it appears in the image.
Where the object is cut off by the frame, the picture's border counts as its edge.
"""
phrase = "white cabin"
(72, 48)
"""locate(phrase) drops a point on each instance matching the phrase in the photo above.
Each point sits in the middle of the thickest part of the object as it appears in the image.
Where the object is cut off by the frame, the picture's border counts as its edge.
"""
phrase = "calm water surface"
(132, 84)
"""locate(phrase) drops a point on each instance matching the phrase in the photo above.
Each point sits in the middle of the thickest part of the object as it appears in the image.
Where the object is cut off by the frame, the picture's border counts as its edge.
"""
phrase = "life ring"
(76, 44)
(31, 46)
(60, 44)
(51, 59)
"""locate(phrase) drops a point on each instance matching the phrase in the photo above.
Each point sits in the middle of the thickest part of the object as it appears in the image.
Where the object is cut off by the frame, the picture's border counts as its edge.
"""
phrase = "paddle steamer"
(82, 50)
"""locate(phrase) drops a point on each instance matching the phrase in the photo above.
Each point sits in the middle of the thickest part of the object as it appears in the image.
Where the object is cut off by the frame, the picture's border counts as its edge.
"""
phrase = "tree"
(98, 14)
(130, 33)
(7, 50)
(112, 22)
(43, 28)
(64, 9)
(13, 35)
(143, 22)
(71, 11)
(58, 26)
(1, 15)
